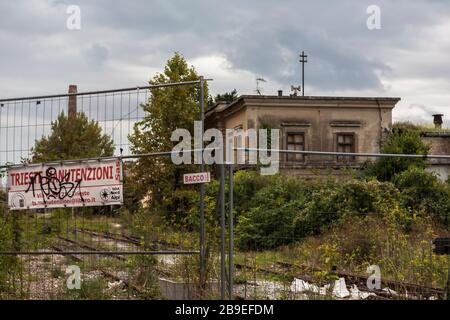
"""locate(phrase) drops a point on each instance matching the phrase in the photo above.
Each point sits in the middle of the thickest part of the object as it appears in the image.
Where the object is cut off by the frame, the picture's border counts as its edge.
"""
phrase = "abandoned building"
(439, 142)
(337, 124)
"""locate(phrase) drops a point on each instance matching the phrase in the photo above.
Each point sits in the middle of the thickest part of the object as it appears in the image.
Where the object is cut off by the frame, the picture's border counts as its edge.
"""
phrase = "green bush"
(266, 207)
(404, 138)
(335, 200)
(287, 209)
(9, 264)
(424, 193)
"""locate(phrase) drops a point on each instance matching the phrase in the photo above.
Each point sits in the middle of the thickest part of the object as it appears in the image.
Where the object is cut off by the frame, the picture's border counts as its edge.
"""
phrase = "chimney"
(437, 120)
(280, 93)
(72, 100)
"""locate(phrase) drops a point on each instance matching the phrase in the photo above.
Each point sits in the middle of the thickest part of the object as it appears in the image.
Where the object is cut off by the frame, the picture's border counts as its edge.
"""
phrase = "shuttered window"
(345, 143)
(296, 142)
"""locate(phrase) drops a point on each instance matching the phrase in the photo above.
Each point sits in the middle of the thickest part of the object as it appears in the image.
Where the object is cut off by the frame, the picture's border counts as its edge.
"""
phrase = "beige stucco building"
(439, 142)
(342, 124)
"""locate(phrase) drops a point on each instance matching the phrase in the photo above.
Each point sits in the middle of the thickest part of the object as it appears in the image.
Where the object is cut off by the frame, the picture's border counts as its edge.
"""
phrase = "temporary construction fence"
(339, 235)
(114, 254)
(44, 252)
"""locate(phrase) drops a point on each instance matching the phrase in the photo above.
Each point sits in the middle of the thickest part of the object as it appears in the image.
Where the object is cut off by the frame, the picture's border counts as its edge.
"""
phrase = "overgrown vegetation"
(9, 241)
(404, 138)
(283, 210)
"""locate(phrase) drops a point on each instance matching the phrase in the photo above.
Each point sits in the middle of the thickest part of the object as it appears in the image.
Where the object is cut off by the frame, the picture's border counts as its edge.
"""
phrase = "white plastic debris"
(357, 294)
(340, 289)
(390, 291)
(112, 285)
(324, 289)
(299, 286)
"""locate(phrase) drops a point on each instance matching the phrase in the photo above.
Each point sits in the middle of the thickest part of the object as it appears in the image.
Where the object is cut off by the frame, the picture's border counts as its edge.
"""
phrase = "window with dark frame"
(295, 141)
(346, 144)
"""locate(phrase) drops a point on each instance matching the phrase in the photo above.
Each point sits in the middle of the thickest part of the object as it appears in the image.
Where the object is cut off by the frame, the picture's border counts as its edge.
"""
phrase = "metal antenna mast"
(258, 80)
(303, 60)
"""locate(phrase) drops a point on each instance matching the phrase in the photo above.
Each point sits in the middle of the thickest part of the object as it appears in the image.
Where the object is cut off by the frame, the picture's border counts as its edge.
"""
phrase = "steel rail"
(155, 86)
(169, 153)
(37, 253)
(350, 154)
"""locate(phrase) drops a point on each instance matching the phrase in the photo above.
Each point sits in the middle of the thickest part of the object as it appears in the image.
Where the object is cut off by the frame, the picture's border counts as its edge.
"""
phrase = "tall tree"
(73, 137)
(167, 109)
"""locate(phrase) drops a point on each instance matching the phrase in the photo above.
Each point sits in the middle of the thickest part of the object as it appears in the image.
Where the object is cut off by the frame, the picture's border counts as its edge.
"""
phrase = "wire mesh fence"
(310, 237)
(345, 236)
(115, 254)
(114, 250)
(23, 121)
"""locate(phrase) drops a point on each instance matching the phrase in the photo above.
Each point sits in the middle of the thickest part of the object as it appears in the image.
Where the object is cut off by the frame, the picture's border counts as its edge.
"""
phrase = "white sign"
(201, 177)
(94, 183)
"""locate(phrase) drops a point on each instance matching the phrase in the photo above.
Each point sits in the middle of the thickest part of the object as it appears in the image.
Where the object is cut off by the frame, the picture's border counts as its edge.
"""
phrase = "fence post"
(222, 231)
(202, 191)
(447, 287)
(231, 236)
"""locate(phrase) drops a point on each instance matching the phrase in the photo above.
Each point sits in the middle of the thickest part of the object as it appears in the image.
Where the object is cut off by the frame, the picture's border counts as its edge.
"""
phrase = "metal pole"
(222, 231)
(448, 278)
(155, 86)
(303, 76)
(202, 190)
(231, 237)
(168, 153)
(303, 61)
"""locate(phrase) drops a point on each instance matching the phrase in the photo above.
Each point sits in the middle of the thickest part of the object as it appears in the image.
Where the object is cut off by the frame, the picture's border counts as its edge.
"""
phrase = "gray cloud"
(131, 40)
(96, 55)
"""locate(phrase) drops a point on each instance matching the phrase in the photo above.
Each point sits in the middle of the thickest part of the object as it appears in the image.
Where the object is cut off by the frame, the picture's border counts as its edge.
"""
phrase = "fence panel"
(24, 121)
(117, 254)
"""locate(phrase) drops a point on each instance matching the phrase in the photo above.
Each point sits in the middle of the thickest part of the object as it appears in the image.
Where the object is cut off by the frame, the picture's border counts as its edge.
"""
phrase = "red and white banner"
(90, 183)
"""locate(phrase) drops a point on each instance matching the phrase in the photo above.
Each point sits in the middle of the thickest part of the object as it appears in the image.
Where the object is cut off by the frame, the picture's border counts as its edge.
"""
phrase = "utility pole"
(303, 60)
(202, 190)
(231, 236)
(222, 231)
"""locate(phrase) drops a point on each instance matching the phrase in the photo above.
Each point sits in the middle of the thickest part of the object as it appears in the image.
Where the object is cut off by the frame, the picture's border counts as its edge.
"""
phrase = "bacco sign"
(193, 178)
(90, 183)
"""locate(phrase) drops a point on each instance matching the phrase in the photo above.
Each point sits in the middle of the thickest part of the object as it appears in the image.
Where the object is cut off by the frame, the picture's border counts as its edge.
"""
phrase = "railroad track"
(285, 268)
(125, 238)
(106, 273)
(112, 236)
(101, 251)
(89, 247)
(378, 295)
(351, 278)
(405, 287)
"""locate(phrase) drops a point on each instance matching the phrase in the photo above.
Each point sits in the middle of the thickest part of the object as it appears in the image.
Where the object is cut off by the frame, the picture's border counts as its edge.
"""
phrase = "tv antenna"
(258, 88)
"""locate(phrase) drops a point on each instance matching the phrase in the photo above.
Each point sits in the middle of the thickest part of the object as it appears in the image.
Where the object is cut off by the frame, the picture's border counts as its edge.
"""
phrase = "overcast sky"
(124, 43)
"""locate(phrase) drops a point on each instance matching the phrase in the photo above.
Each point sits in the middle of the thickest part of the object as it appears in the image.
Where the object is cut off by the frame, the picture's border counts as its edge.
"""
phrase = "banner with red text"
(90, 183)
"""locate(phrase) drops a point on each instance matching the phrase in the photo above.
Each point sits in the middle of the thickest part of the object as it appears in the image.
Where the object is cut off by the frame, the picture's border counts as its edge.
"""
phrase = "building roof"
(299, 99)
